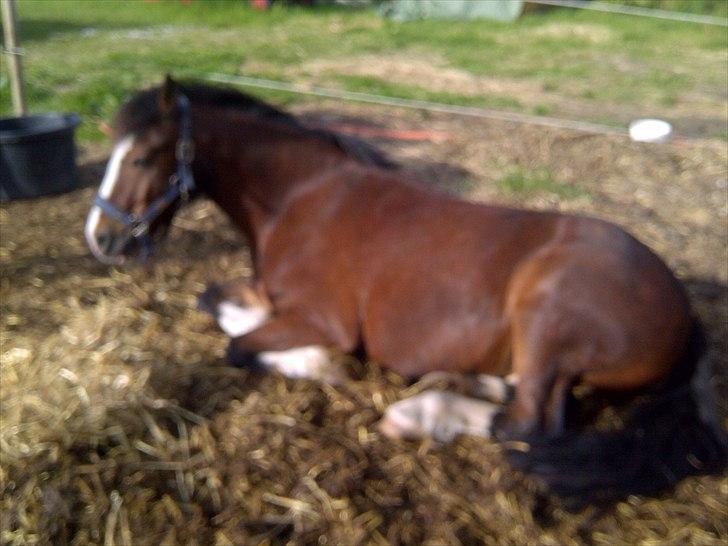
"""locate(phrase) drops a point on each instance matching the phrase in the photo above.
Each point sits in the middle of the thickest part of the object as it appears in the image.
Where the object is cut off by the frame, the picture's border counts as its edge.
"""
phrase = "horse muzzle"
(115, 246)
(108, 247)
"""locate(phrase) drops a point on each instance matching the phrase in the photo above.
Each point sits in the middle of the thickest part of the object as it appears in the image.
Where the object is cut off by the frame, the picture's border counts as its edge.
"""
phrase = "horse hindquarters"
(592, 305)
(611, 316)
(670, 435)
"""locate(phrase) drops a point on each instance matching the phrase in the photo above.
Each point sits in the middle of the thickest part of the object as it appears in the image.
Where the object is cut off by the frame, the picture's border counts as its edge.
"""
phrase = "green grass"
(86, 56)
(716, 8)
(539, 181)
(541, 110)
(379, 86)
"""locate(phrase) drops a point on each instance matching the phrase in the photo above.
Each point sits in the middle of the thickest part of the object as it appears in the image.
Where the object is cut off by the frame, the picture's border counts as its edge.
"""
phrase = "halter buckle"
(139, 229)
(185, 151)
(184, 193)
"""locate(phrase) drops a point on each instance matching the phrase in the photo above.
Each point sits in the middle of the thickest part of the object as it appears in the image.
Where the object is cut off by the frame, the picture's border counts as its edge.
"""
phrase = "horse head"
(148, 175)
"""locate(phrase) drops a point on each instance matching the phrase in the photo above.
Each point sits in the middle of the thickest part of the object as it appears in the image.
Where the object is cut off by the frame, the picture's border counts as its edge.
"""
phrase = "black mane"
(142, 111)
(230, 98)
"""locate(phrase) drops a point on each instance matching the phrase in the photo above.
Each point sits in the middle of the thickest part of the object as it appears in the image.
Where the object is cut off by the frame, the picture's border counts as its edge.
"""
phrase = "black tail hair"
(668, 436)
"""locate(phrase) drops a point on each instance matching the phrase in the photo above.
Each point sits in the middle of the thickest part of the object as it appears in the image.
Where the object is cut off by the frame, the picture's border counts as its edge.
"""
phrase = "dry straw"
(121, 423)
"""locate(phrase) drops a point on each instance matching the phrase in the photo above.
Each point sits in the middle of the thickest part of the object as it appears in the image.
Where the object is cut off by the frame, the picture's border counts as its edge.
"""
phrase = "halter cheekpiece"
(181, 185)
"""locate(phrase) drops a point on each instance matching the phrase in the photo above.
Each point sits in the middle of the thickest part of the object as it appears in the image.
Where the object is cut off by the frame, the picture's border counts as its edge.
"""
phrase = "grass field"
(86, 56)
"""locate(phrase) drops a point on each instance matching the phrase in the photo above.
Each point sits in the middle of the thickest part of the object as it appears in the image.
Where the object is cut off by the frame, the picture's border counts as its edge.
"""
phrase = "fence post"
(13, 54)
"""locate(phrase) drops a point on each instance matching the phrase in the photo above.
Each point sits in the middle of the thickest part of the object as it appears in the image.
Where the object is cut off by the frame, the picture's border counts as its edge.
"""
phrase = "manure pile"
(121, 423)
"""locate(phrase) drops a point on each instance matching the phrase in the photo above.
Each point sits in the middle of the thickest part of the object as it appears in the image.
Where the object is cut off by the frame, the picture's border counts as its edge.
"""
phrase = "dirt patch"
(122, 423)
(696, 114)
(431, 70)
(596, 34)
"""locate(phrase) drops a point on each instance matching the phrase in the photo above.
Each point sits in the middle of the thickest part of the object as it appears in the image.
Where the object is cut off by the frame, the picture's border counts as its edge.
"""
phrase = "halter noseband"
(181, 185)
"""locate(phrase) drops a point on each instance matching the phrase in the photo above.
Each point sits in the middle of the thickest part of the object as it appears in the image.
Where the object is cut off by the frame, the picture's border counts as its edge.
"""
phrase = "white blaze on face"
(111, 177)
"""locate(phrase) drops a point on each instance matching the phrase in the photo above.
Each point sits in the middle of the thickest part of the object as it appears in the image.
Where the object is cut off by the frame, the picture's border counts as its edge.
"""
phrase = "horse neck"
(250, 166)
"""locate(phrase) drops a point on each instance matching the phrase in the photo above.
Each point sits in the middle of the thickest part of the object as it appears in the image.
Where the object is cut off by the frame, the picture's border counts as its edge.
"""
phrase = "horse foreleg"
(494, 388)
(491, 387)
(237, 306)
(289, 345)
(441, 415)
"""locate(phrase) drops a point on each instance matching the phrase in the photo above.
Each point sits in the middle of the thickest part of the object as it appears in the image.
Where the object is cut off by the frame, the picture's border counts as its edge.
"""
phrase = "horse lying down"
(439, 414)
(350, 254)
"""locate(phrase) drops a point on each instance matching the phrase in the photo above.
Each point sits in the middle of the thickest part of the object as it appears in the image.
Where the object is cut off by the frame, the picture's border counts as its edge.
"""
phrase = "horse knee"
(236, 316)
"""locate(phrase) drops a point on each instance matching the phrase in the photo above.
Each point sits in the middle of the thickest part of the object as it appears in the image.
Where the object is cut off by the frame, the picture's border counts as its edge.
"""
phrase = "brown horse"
(351, 255)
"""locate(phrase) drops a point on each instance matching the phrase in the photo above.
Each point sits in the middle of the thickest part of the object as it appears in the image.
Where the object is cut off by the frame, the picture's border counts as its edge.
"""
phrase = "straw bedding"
(122, 424)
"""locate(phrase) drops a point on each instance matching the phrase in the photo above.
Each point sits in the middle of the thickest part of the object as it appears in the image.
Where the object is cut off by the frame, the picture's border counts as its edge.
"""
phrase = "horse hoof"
(210, 298)
(388, 429)
(244, 359)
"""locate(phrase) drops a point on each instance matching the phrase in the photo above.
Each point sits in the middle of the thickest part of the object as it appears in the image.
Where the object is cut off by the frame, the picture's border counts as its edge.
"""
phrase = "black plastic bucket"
(37, 155)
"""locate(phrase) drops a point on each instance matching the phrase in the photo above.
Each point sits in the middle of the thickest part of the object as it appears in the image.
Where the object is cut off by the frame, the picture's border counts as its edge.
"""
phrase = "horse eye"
(143, 162)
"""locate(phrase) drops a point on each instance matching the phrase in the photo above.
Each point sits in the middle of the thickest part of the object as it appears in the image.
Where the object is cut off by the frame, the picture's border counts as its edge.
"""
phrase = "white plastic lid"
(649, 130)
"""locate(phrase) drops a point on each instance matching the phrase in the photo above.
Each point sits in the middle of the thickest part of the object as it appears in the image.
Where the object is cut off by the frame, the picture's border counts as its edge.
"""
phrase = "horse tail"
(671, 434)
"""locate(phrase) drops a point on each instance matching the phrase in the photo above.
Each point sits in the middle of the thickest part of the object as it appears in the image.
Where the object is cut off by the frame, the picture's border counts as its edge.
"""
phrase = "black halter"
(181, 185)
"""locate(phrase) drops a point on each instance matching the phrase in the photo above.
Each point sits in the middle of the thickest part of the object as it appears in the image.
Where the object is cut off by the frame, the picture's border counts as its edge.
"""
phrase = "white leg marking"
(494, 388)
(311, 361)
(491, 387)
(440, 414)
(236, 320)
(111, 177)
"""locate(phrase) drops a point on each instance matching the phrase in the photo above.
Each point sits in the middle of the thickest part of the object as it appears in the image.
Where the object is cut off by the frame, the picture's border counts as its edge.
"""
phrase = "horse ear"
(106, 129)
(168, 95)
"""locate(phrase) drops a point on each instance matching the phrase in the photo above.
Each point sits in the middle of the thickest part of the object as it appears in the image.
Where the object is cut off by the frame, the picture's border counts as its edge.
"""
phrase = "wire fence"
(512, 117)
(637, 11)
